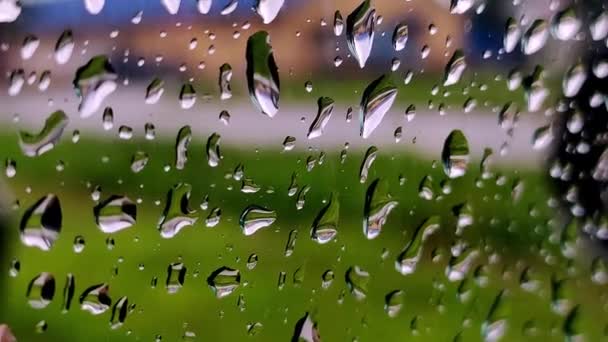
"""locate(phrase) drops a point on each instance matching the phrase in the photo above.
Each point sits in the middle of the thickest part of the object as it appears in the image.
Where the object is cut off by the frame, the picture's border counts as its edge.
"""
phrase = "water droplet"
(68, 292)
(495, 326)
(154, 91)
(184, 136)
(574, 79)
(187, 96)
(268, 9)
(393, 303)
(535, 37)
(360, 31)
(368, 160)
(377, 100)
(176, 275)
(29, 46)
(64, 47)
(565, 24)
(96, 299)
(139, 161)
(409, 258)
(455, 154)
(512, 35)
(94, 6)
(325, 226)
(224, 281)
(262, 74)
(115, 214)
(119, 312)
(306, 330)
(9, 10)
(357, 280)
(598, 26)
(41, 223)
(33, 145)
(378, 205)
(41, 290)
(400, 36)
(177, 213)
(291, 242)
(213, 150)
(461, 6)
(454, 69)
(94, 81)
(338, 24)
(254, 218)
(326, 106)
(204, 6)
(224, 81)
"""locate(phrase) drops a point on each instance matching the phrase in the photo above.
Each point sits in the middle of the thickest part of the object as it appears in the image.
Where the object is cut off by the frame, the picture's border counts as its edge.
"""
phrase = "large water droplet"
(224, 281)
(213, 150)
(94, 81)
(565, 24)
(115, 214)
(455, 154)
(454, 69)
(262, 74)
(176, 275)
(306, 330)
(64, 47)
(409, 258)
(400, 36)
(96, 299)
(9, 10)
(94, 6)
(357, 280)
(378, 205)
(254, 218)
(33, 145)
(535, 37)
(41, 223)
(224, 81)
(377, 100)
(154, 91)
(325, 226)
(184, 136)
(41, 290)
(326, 107)
(360, 31)
(268, 9)
(177, 213)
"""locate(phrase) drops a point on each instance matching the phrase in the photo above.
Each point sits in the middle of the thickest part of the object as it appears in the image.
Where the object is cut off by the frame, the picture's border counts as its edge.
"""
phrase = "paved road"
(248, 128)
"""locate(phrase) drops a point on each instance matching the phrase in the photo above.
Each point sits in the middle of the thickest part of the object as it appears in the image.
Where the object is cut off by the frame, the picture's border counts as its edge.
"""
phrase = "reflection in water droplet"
(33, 145)
(187, 96)
(535, 37)
(96, 299)
(411, 255)
(184, 136)
(262, 74)
(68, 293)
(306, 330)
(154, 91)
(177, 213)
(400, 36)
(326, 106)
(454, 69)
(224, 281)
(360, 31)
(325, 226)
(115, 214)
(64, 47)
(368, 160)
(393, 303)
(41, 223)
(268, 9)
(357, 280)
(377, 100)
(455, 154)
(119, 312)
(176, 275)
(94, 81)
(378, 205)
(41, 290)
(213, 150)
(224, 81)
(254, 218)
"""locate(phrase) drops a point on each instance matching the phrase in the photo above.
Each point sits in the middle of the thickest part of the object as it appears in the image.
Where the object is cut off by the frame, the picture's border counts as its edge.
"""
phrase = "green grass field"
(431, 310)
